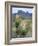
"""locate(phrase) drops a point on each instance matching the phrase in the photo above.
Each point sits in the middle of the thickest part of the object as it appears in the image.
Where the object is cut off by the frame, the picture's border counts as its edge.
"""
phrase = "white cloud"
(15, 9)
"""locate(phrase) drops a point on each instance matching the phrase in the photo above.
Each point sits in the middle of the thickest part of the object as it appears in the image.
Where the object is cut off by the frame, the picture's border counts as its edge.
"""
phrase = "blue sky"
(15, 9)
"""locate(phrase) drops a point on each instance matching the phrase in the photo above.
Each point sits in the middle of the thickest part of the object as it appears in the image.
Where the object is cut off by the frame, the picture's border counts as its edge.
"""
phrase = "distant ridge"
(23, 14)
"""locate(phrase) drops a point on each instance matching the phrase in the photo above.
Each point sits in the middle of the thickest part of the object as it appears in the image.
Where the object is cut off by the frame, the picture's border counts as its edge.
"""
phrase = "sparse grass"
(22, 26)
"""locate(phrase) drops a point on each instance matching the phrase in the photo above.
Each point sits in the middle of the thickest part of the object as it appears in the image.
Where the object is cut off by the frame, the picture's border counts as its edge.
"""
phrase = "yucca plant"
(24, 32)
(16, 24)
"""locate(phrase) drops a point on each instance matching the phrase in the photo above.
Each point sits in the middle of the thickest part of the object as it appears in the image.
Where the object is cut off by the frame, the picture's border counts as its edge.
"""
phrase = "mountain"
(23, 14)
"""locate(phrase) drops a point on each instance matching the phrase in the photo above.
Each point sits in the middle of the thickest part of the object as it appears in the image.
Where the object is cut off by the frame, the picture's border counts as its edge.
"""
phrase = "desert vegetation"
(21, 27)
